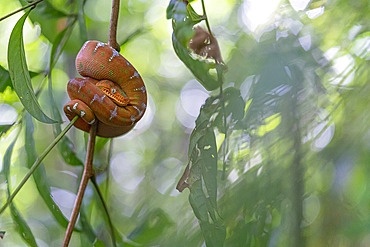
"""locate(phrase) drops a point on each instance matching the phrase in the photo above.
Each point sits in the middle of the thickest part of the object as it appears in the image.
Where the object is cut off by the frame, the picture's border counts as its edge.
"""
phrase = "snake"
(111, 91)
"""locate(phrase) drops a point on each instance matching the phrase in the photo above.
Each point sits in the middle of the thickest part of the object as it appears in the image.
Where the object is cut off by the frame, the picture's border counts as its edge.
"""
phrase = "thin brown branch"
(19, 10)
(112, 41)
(87, 174)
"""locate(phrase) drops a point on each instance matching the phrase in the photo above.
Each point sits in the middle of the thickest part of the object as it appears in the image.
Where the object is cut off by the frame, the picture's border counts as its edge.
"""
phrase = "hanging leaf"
(39, 175)
(19, 73)
(48, 17)
(21, 225)
(65, 146)
(5, 80)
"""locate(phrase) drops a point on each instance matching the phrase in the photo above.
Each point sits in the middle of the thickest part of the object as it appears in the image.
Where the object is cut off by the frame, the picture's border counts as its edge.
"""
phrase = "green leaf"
(4, 128)
(21, 225)
(65, 146)
(39, 175)
(170, 7)
(213, 234)
(152, 226)
(208, 162)
(200, 69)
(59, 44)
(81, 21)
(20, 75)
(5, 80)
(198, 201)
(194, 15)
(48, 17)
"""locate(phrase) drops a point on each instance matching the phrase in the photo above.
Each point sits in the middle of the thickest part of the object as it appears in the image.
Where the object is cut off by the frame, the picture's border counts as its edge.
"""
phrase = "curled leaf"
(205, 45)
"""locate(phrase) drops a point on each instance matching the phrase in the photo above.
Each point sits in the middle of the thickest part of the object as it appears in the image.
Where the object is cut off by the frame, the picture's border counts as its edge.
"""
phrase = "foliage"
(273, 142)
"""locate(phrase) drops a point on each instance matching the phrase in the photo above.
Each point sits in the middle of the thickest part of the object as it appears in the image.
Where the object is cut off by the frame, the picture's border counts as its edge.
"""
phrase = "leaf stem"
(93, 180)
(37, 163)
(112, 41)
(19, 10)
(206, 18)
(87, 174)
(220, 80)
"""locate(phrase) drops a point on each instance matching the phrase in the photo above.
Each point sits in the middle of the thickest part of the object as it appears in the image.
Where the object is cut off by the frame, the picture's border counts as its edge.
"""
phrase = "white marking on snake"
(138, 110)
(68, 108)
(115, 54)
(128, 63)
(80, 85)
(92, 121)
(132, 119)
(113, 113)
(75, 106)
(140, 89)
(83, 113)
(99, 44)
(97, 98)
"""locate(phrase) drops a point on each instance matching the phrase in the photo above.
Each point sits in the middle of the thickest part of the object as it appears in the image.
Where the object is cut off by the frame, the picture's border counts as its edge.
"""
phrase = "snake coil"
(111, 91)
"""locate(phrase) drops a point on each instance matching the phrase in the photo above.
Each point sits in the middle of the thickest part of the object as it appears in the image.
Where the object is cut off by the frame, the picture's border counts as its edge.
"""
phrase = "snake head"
(114, 92)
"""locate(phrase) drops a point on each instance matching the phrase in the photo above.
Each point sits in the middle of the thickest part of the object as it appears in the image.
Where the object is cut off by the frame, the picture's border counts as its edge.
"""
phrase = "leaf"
(59, 44)
(48, 17)
(170, 9)
(200, 69)
(39, 175)
(213, 234)
(65, 146)
(208, 163)
(4, 128)
(198, 201)
(194, 15)
(21, 225)
(19, 73)
(152, 226)
(5, 80)
(81, 20)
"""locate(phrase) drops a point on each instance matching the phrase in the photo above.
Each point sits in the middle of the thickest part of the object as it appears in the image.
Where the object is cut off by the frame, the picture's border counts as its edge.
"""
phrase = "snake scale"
(111, 91)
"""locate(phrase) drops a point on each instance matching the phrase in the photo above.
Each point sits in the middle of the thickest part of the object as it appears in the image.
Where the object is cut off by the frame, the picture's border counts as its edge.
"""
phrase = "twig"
(112, 41)
(87, 173)
(37, 163)
(206, 18)
(93, 180)
(18, 10)
(109, 156)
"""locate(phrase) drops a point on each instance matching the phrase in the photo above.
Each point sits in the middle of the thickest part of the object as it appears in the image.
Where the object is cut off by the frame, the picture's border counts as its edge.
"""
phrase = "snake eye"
(113, 90)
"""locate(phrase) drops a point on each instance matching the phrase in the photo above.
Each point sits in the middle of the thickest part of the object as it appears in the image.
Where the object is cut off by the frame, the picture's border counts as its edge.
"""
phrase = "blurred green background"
(293, 171)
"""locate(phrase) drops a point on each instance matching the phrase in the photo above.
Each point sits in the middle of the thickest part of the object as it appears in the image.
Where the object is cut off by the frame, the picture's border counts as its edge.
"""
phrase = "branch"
(23, 8)
(37, 163)
(112, 41)
(87, 174)
(105, 207)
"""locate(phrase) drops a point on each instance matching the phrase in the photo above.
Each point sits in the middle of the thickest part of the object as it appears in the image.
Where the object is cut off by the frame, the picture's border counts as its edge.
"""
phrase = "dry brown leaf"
(205, 45)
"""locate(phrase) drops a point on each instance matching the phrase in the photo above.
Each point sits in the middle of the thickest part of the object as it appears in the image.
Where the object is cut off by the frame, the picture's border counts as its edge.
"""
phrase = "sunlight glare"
(257, 12)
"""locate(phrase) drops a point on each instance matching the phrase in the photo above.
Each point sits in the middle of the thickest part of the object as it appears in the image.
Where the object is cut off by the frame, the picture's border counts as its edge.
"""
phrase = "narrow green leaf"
(152, 226)
(200, 69)
(170, 9)
(65, 146)
(81, 20)
(21, 225)
(5, 80)
(39, 175)
(194, 15)
(59, 44)
(4, 128)
(48, 17)
(19, 73)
